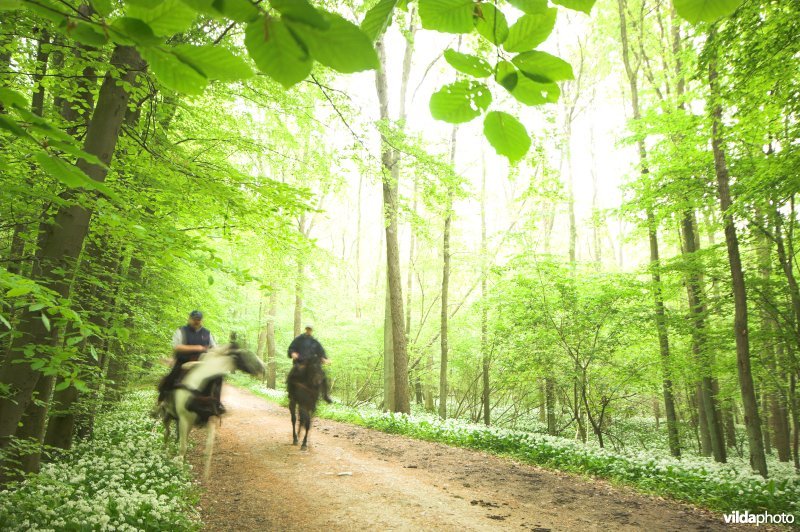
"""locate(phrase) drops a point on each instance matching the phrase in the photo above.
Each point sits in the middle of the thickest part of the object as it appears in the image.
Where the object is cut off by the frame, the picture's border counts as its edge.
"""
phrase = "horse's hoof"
(294, 442)
(304, 447)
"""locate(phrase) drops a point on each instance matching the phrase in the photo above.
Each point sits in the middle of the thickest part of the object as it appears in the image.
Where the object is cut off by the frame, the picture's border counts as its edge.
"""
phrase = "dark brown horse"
(304, 384)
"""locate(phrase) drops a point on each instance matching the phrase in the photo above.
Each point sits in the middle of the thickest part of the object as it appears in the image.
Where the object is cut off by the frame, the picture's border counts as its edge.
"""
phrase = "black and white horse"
(190, 403)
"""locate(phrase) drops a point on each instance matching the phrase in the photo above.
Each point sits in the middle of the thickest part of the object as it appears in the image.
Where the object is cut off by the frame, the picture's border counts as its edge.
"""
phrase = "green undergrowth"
(121, 479)
(698, 480)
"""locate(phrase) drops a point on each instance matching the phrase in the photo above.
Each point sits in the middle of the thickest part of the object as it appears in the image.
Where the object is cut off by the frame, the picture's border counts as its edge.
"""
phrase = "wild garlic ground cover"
(120, 480)
(725, 487)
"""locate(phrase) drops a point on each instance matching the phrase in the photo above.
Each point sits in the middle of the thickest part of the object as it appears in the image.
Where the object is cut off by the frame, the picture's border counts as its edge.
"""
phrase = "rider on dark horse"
(188, 343)
(306, 349)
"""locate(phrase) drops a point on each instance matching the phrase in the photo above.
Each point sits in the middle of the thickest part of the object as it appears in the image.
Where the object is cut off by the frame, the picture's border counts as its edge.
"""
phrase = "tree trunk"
(786, 262)
(358, 247)
(730, 425)
(484, 303)
(751, 418)
(298, 298)
(271, 351)
(410, 271)
(448, 220)
(37, 107)
(697, 309)
(388, 353)
(33, 424)
(391, 176)
(550, 394)
(776, 379)
(117, 373)
(8, 31)
(655, 263)
(64, 239)
(794, 403)
(102, 261)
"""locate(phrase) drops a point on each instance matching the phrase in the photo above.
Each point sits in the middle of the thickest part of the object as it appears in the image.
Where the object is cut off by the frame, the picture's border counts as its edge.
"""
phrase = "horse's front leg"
(292, 405)
(209, 447)
(184, 426)
(305, 419)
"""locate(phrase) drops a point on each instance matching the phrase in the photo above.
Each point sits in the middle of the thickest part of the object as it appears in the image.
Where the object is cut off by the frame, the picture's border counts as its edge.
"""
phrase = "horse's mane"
(213, 363)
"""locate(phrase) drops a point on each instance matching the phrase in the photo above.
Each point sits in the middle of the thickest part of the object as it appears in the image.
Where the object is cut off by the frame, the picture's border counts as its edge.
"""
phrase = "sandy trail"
(354, 478)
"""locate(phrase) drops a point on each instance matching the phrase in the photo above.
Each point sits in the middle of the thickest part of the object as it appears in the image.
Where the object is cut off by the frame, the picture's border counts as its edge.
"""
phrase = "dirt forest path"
(353, 478)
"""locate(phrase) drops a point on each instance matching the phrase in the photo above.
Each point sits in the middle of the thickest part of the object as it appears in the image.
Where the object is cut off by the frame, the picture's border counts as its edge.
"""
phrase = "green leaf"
(49, 10)
(378, 18)
(74, 340)
(543, 67)
(93, 352)
(10, 5)
(506, 75)
(276, 52)
(301, 11)
(167, 18)
(63, 385)
(148, 4)
(342, 47)
(210, 280)
(5, 321)
(36, 306)
(447, 16)
(80, 385)
(460, 101)
(530, 7)
(174, 73)
(10, 125)
(135, 31)
(214, 61)
(507, 135)
(238, 10)
(69, 174)
(468, 64)
(103, 7)
(578, 5)
(491, 23)
(524, 89)
(46, 321)
(72, 148)
(705, 10)
(529, 31)
(12, 98)
(87, 34)
(532, 92)
(20, 290)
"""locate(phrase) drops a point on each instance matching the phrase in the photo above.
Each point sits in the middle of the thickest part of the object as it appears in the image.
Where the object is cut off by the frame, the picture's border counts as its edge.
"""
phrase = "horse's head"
(239, 357)
(246, 361)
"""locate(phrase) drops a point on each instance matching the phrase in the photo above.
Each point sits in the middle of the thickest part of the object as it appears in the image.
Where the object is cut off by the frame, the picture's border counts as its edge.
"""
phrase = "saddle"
(205, 403)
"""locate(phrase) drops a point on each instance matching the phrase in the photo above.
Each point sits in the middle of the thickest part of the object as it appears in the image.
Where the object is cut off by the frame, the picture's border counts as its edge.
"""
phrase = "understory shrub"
(121, 479)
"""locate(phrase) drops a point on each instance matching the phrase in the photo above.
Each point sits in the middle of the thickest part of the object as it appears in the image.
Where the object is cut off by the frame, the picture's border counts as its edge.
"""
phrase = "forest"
(562, 231)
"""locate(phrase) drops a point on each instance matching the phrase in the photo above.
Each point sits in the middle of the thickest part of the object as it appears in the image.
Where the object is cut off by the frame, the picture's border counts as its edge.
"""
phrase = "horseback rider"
(307, 349)
(188, 343)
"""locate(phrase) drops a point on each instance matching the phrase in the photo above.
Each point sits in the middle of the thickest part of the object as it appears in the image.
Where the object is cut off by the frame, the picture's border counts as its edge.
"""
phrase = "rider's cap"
(309, 327)
(196, 314)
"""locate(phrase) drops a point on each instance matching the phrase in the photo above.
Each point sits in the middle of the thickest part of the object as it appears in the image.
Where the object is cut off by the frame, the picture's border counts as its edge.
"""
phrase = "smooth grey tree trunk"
(271, 350)
(64, 239)
(751, 416)
(391, 178)
(655, 263)
(485, 395)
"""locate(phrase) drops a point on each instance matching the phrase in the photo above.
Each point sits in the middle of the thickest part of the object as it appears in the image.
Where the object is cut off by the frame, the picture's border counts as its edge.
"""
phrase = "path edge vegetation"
(680, 484)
